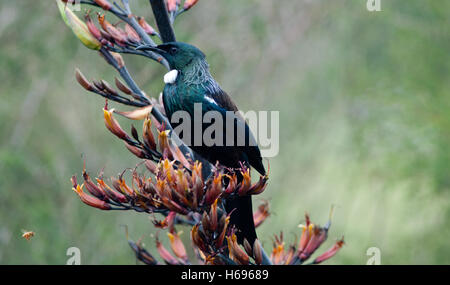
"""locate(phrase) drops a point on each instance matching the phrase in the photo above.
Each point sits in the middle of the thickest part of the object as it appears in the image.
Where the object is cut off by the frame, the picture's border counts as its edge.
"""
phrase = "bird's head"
(179, 55)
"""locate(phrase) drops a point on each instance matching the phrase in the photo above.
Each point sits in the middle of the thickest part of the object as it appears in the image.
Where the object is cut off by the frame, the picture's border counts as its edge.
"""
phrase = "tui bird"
(188, 83)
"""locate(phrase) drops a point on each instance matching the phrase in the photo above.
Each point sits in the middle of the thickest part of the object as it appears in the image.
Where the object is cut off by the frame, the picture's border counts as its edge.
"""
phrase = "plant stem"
(266, 259)
(163, 20)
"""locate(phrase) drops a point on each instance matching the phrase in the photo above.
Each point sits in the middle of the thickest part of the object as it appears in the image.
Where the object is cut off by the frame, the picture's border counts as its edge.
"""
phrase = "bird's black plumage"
(195, 85)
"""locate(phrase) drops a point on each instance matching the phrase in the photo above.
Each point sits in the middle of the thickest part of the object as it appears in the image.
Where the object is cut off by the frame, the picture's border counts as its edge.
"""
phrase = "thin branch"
(178, 13)
(120, 99)
(123, 71)
(163, 21)
(127, 50)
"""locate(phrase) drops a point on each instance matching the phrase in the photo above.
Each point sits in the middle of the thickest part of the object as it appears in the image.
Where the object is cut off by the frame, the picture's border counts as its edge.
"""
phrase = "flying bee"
(27, 235)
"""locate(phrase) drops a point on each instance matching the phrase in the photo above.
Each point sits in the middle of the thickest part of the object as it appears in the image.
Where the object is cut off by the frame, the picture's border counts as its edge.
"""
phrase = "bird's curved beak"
(158, 51)
(154, 49)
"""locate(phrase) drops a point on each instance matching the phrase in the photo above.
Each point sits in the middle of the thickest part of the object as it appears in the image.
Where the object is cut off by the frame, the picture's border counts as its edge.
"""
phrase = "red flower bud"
(112, 194)
(330, 253)
(220, 239)
(82, 80)
(131, 34)
(235, 251)
(257, 252)
(118, 36)
(165, 254)
(92, 188)
(171, 5)
(104, 4)
(92, 27)
(259, 186)
(215, 190)
(147, 134)
(261, 214)
(188, 4)
(112, 125)
(137, 114)
(147, 28)
(108, 88)
(177, 246)
(246, 182)
(91, 200)
(122, 87)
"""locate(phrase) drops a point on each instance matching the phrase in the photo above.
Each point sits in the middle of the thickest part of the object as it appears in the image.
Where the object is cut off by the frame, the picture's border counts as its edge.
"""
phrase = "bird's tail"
(241, 210)
(242, 218)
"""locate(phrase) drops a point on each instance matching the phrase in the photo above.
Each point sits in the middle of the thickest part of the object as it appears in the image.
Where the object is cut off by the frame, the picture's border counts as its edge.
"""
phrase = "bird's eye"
(173, 50)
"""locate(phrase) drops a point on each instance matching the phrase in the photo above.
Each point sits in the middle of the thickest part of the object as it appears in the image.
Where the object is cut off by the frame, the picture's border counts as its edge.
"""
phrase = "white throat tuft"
(171, 76)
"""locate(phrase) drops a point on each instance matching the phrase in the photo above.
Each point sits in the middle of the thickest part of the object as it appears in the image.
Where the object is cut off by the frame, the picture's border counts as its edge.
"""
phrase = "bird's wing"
(222, 102)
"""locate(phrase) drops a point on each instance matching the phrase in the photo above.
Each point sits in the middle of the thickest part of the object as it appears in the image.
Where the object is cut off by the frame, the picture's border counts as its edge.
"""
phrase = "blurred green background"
(364, 124)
